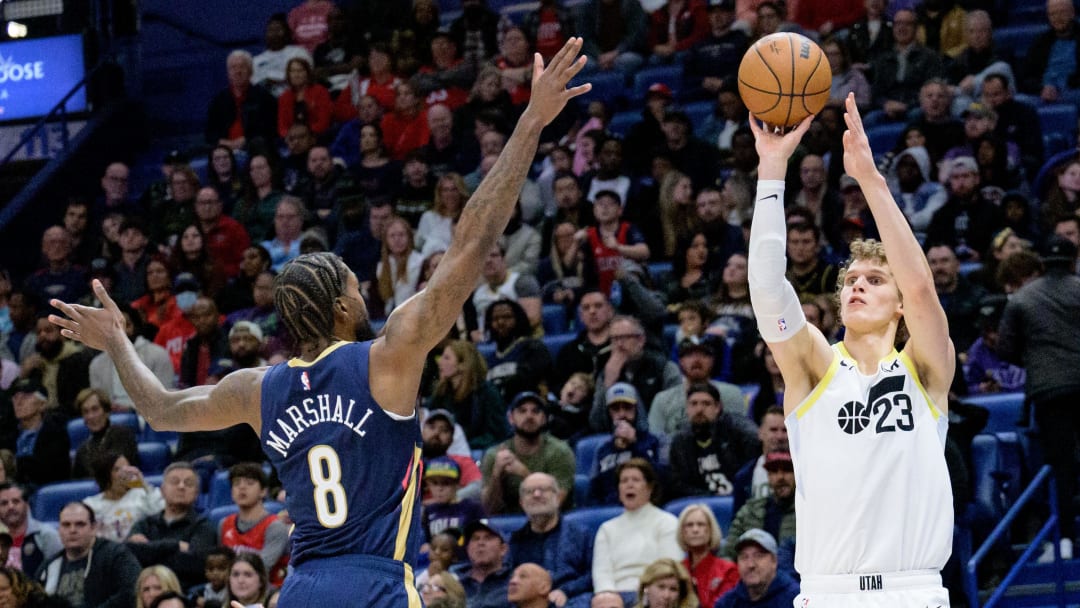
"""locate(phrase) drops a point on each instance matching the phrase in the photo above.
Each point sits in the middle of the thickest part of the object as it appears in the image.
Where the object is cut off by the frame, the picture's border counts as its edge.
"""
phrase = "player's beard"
(364, 331)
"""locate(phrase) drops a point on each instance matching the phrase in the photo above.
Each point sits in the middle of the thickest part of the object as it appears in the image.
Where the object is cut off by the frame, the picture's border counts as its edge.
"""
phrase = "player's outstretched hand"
(91, 326)
(858, 158)
(549, 93)
(777, 146)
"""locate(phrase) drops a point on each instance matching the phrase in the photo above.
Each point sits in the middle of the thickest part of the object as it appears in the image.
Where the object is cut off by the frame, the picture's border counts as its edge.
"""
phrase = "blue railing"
(971, 581)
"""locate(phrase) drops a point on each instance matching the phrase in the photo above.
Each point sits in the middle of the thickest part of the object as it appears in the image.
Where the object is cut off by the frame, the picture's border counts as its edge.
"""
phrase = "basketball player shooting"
(338, 422)
(866, 424)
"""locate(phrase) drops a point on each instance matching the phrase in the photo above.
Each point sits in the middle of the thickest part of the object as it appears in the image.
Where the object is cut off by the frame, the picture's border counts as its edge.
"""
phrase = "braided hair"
(304, 292)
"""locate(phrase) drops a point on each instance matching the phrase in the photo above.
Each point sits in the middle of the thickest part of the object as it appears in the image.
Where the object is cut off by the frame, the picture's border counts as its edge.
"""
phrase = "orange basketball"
(784, 78)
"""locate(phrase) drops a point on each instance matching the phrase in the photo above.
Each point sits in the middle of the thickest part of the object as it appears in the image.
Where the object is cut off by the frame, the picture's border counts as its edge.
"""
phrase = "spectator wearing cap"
(562, 548)
(443, 510)
(706, 457)
(967, 222)
(985, 370)
(33, 542)
(531, 449)
(41, 448)
(486, 575)
(443, 437)
(614, 34)
(1037, 331)
(688, 153)
(131, 267)
(959, 296)
(697, 359)
(647, 136)
(226, 239)
(245, 351)
(630, 438)
(57, 277)
(761, 584)
(241, 114)
(208, 344)
(774, 513)
(714, 60)
(611, 240)
(912, 186)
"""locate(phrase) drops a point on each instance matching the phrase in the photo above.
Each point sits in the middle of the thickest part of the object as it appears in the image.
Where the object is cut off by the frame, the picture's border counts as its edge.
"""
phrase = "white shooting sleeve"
(776, 306)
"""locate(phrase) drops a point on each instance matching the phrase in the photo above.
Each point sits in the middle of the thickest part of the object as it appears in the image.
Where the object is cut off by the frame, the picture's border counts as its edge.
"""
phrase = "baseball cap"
(622, 392)
(688, 346)
(440, 413)
(31, 384)
(724, 5)
(482, 524)
(443, 466)
(759, 537)
(1058, 249)
(185, 281)
(241, 327)
(528, 396)
(661, 89)
(962, 164)
(778, 459)
(977, 110)
(846, 181)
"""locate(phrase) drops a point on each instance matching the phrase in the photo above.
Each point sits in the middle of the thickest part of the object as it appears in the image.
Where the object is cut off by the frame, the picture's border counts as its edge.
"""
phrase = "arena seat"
(581, 490)
(487, 351)
(217, 514)
(47, 502)
(721, 506)
(698, 111)
(671, 75)
(607, 87)
(220, 490)
(553, 317)
(659, 271)
(622, 121)
(154, 480)
(1017, 38)
(507, 524)
(591, 517)
(996, 477)
(1057, 118)
(883, 137)
(78, 433)
(585, 452)
(1006, 410)
(670, 331)
(555, 342)
(154, 456)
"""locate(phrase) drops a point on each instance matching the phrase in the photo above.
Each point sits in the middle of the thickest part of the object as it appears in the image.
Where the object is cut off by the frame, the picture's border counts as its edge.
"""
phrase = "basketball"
(783, 78)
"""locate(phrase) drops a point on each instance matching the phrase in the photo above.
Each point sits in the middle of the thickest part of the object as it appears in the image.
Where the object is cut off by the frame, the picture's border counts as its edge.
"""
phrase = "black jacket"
(711, 469)
(164, 545)
(258, 115)
(50, 460)
(109, 578)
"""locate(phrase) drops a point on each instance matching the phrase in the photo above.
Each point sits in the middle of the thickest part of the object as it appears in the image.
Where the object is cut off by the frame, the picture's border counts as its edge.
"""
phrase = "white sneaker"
(1047, 555)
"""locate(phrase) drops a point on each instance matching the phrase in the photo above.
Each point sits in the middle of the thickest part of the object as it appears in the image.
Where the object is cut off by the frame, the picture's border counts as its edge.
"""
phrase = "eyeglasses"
(428, 587)
(542, 489)
(618, 337)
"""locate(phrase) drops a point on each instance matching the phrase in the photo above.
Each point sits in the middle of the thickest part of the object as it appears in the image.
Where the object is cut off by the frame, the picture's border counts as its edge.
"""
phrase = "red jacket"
(400, 136)
(226, 242)
(319, 109)
(713, 577)
(691, 25)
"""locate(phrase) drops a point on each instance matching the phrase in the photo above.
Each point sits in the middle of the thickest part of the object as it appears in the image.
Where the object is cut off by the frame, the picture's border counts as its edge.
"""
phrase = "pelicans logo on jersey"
(883, 398)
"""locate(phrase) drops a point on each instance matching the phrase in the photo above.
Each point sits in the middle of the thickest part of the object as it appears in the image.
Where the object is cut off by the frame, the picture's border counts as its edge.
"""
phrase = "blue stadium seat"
(581, 490)
(591, 517)
(671, 75)
(555, 342)
(621, 122)
(553, 317)
(487, 351)
(996, 477)
(1017, 39)
(608, 87)
(884, 137)
(659, 271)
(50, 499)
(507, 524)
(154, 480)
(698, 112)
(585, 452)
(1058, 118)
(477, 456)
(78, 433)
(749, 392)
(220, 491)
(670, 331)
(217, 514)
(721, 506)
(1006, 410)
(153, 457)
(967, 268)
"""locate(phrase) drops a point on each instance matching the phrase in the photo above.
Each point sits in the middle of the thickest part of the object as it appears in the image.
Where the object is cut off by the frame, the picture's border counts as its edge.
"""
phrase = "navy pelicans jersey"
(872, 492)
(351, 469)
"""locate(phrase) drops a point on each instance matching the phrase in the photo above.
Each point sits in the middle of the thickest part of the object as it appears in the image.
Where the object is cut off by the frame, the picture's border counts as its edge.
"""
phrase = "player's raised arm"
(234, 400)
(421, 322)
(929, 347)
(801, 352)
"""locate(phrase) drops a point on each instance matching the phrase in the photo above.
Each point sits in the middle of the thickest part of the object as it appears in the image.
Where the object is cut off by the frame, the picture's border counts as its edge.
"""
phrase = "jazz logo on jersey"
(883, 398)
(781, 324)
(305, 380)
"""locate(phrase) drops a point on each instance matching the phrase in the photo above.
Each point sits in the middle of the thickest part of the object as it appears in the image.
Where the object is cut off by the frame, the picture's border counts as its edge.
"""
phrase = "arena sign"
(36, 73)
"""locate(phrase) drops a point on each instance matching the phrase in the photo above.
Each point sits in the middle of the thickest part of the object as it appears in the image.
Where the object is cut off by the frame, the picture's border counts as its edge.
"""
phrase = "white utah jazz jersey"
(872, 492)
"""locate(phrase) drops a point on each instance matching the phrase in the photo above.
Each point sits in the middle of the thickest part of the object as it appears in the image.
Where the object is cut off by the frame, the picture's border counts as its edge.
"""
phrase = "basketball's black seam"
(808, 79)
(780, 94)
(791, 101)
(765, 62)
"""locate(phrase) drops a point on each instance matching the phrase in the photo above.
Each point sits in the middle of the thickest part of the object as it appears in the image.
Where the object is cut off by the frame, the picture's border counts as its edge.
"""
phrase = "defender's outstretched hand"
(91, 326)
(858, 158)
(549, 92)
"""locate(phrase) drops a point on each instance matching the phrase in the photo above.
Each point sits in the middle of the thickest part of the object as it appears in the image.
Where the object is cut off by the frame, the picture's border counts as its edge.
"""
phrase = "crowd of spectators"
(362, 128)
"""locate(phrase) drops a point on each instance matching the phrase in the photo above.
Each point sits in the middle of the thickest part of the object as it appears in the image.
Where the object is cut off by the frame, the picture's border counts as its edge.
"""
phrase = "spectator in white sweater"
(625, 545)
(125, 497)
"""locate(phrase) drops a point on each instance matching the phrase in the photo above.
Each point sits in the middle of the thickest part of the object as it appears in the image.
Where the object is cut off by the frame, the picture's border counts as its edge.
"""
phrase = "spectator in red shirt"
(700, 536)
(515, 65)
(305, 101)
(158, 306)
(380, 84)
(226, 239)
(406, 128)
(675, 27)
(310, 23)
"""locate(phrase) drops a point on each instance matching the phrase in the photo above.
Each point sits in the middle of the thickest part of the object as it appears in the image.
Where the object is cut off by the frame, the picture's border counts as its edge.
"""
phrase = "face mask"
(185, 300)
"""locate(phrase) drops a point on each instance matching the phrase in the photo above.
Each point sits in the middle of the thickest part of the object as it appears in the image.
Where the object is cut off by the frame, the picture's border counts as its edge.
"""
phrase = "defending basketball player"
(866, 423)
(338, 421)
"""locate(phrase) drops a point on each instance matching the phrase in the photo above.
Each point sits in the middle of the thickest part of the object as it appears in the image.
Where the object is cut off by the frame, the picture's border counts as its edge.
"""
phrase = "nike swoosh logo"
(762, 200)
